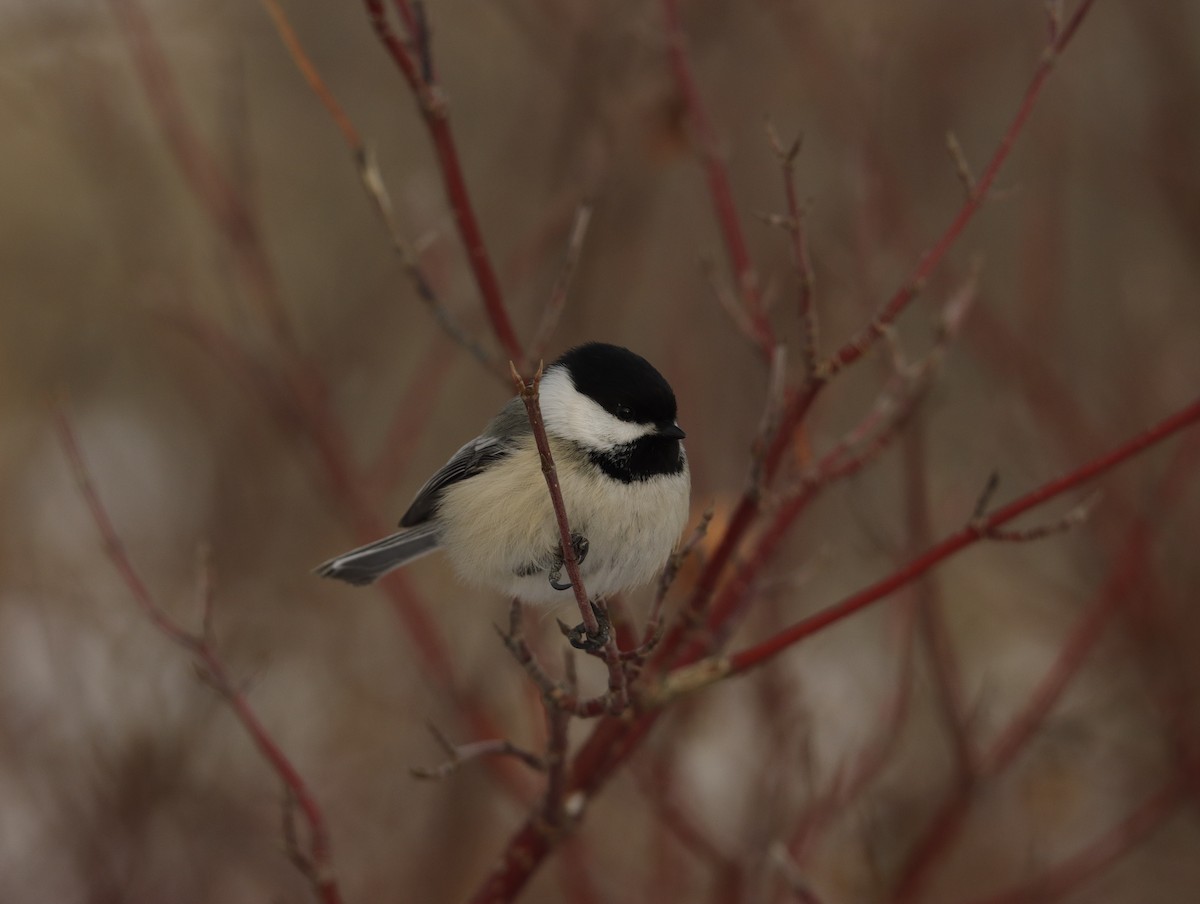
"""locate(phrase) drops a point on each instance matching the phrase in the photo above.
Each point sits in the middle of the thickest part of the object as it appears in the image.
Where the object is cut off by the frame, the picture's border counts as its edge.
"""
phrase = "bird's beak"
(671, 431)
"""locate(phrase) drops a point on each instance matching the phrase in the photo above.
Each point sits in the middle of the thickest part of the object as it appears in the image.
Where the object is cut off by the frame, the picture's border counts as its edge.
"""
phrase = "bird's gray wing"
(497, 442)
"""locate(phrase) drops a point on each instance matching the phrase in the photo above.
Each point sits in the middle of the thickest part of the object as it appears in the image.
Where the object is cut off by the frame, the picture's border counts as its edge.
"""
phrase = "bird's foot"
(589, 642)
(579, 544)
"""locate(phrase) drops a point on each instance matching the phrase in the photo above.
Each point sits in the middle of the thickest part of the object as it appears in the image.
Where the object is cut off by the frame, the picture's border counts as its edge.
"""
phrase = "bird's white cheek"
(572, 416)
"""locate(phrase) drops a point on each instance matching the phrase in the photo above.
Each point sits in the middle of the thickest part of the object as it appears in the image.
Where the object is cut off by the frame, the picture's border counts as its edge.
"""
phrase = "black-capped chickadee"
(610, 421)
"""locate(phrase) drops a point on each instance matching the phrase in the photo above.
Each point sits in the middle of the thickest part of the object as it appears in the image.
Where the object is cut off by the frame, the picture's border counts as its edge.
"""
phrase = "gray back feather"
(498, 441)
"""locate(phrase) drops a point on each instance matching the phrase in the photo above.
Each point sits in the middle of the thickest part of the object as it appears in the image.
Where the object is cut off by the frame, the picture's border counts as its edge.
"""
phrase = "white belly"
(493, 528)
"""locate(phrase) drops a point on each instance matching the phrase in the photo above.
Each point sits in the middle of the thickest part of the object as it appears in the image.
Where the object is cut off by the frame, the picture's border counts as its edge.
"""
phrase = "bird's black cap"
(624, 384)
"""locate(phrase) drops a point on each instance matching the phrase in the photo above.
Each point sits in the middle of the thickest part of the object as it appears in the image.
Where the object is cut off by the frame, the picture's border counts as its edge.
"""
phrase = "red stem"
(529, 395)
(935, 635)
(967, 536)
(214, 193)
(857, 346)
(319, 844)
(437, 121)
(931, 849)
(199, 646)
(717, 174)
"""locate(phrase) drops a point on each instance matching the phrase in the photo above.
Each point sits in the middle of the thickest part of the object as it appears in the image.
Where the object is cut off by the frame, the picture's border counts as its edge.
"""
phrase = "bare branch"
(316, 863)
(562, 285)
(704, 672)
(557, 723)
(669, 573)
(458, 755)
(801, 259)
(961, 167)
(858, 345)
(372, 182)
(561, 697)
(720, 190)
(1073, 518)
(529, 395)
(729, 304)
(418, 72)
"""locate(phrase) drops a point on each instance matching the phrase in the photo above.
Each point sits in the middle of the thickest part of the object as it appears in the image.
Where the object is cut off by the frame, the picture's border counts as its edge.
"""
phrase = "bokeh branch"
(720, 190)
(951, 545)
(418, 73)
(317, 861)
(372, 180)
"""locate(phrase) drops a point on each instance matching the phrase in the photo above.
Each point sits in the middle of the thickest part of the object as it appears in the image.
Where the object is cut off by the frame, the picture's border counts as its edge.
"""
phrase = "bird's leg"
(579, 543)
(579, 636)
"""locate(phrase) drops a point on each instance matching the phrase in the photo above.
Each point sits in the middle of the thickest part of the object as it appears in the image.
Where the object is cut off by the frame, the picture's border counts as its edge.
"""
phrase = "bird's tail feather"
(368, 563)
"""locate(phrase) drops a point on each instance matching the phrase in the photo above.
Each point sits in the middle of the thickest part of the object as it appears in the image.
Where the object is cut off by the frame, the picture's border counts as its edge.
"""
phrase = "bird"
(610, 420)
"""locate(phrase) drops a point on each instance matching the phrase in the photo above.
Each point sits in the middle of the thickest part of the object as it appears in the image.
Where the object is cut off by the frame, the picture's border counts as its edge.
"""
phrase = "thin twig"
(729, 304)
(961, 167)
(458, 755)
(557, 723)
(801, 259)
(562, 285)
(669, 573)
(291, 41)
(419, 73)
(938, 643)
(768, 424)
(559, 695)
(529, 396)
(858, 345)
(719, 187)
(1072, 519)
(597, 639)
(371, 178)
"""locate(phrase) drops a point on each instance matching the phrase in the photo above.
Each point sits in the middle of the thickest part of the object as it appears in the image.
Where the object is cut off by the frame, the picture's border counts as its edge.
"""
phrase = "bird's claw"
(580, 638)
(579, 544)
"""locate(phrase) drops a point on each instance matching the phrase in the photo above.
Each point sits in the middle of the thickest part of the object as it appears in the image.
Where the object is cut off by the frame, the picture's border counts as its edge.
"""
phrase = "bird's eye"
(624, 413)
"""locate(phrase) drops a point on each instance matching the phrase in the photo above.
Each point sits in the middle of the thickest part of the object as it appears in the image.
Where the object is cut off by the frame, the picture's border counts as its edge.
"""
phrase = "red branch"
(318, 863)
(857, 346)
(945, 674)
(617, 690)
(214, 193)
(967, 536)
(529, 395)
(719, 187)
(1134, 561)
(437, 121)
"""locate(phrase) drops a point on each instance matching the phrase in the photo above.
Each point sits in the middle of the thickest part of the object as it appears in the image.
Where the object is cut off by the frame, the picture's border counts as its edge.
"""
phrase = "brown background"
(122, 778)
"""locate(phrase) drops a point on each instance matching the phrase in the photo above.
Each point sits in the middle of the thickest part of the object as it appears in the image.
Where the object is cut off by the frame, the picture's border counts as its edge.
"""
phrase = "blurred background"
(142, 306)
